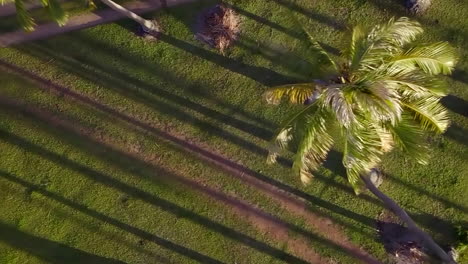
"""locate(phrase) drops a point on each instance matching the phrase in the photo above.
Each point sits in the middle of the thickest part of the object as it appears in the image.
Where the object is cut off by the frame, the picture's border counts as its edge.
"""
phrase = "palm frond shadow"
(319, 17)
(457, 133)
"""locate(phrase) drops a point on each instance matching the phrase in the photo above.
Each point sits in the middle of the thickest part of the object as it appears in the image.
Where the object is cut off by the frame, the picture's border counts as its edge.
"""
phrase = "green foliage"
(56, 12)
(384, 82)
(462, 243)
(24, 18)
(297, 93)
(53, 7)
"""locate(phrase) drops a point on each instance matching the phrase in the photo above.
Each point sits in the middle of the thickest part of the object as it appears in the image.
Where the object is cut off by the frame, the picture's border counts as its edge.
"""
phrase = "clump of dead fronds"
(403, 245)
(219, 27)
(418, 7)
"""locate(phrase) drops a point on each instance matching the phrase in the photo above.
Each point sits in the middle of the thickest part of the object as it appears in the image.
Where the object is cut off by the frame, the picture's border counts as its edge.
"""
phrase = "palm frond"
(385, 101)
(370, 50)
(56, 12)
(358, 49)
(408, 137)
(417, 84)
(23, 16)
(433, 59)
(289, 132)
(386, 138)
(297, 93)
(396, 33)
(362, 152)
(357, 35)
(429, 112)
(314, 145)
(333, 98)
(321, 51)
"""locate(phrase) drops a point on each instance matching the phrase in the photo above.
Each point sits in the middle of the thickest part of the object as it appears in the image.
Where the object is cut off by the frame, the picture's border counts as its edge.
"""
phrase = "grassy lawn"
(84, 182)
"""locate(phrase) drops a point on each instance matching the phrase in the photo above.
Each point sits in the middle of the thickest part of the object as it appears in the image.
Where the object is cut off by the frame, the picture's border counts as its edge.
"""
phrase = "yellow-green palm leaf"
(386, 95)
(23, 16)
(429, 112)
(433, 59)
(296, 93)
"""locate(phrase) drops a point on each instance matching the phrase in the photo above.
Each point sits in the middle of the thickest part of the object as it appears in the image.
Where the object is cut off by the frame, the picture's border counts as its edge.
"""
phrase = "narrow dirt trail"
(332, 234)
(82, 21)
(272, 226)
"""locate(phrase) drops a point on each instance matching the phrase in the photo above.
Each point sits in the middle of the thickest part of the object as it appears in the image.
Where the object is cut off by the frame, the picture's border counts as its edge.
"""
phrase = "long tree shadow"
(234, 168)
(296, 65)
(250, 176)
(44, 249)
(420, 190)
(333, 162)
(108, 235)
(117, 79)
(129, 87)
(300, 35)
(266, 22)
(285, 59)
(456, 104)
(460, 75)
(163, 204)
(97, 215)
(126, 162)
(458, 134)
(321, 18)
(262, 75)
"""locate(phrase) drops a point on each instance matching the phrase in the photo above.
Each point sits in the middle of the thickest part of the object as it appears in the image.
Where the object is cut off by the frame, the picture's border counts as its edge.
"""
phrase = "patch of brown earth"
(218, 26)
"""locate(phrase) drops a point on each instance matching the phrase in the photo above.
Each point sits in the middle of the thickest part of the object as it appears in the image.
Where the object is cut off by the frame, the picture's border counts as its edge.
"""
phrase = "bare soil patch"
(218, 26)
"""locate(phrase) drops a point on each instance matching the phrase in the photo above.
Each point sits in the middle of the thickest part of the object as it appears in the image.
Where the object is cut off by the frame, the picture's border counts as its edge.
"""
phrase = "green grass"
(73, 198)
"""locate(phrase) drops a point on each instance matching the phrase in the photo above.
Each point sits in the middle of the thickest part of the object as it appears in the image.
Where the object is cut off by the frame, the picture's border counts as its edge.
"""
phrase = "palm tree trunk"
(146, 24)
(401, 213)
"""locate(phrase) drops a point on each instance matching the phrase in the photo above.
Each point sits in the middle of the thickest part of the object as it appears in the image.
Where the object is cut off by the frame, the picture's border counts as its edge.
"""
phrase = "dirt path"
(274, 227)
(83, 21)
(332, 234)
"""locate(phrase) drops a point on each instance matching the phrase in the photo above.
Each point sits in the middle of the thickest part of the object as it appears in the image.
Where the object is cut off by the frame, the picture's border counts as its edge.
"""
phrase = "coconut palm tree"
(60, 16)
(381, 93)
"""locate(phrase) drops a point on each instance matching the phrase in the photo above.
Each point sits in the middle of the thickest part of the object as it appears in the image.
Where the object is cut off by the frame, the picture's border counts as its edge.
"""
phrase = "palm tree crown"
(383, 92)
